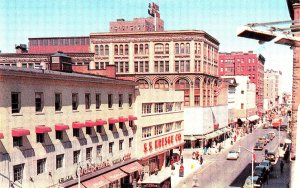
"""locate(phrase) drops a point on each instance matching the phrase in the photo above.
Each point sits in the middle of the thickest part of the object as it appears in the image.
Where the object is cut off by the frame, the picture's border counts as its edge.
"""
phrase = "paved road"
(219, 172)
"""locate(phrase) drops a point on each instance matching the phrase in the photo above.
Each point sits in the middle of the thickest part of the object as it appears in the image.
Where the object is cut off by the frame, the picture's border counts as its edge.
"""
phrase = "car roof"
(259, 166)
(265, 161)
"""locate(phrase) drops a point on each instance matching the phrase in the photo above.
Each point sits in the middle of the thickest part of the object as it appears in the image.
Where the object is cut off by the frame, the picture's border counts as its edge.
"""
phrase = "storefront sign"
(162, 142)
(124, 158)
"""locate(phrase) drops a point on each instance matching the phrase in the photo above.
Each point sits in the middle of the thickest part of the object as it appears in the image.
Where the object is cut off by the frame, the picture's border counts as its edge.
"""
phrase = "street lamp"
(252, 163)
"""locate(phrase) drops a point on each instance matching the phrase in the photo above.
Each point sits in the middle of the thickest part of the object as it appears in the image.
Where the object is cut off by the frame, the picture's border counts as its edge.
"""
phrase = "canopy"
(20, 132)
(42, 129)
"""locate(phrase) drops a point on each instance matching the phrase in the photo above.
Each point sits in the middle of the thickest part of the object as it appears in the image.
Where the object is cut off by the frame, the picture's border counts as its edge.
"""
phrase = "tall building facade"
(272, 87)
(245, 64)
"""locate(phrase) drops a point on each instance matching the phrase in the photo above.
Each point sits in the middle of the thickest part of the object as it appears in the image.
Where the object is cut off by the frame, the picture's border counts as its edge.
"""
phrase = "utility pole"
(252, 163)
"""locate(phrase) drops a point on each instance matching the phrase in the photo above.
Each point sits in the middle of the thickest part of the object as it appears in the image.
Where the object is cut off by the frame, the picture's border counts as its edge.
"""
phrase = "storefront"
(123, 173)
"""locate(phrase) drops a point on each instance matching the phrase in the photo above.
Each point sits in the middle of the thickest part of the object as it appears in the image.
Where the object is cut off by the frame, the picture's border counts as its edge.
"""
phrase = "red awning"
(114, 175)
(100, 122)
(132, 167)
(1, 136)
(20, 132)
(77, 125)
(61, 127)
(122, 119)
(96, 182)
(90, 123)
(42, 129)
(131, 118)
(113, 121)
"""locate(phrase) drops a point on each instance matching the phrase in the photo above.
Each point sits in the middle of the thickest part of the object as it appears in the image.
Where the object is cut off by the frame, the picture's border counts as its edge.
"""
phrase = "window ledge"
(88, 110)
(74, 111)
(40, 113)
(98, 110)
(17, 114)
(58, 112)
(110, 108)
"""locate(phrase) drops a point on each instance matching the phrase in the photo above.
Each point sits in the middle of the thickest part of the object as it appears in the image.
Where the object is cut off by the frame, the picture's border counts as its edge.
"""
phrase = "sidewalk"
(278, 179)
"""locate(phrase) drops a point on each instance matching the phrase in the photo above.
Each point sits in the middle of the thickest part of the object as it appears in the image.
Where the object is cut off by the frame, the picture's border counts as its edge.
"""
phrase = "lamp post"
(252, 163)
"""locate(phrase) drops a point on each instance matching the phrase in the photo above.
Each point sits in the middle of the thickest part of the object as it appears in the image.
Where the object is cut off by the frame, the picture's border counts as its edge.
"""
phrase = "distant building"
(273, 87)
(245, 64)
(231, 99)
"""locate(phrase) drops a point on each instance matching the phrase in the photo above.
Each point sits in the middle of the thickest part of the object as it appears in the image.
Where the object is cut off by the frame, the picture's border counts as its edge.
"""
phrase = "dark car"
(267, 164)
(258, 146)
(261, 172)
(271, 156)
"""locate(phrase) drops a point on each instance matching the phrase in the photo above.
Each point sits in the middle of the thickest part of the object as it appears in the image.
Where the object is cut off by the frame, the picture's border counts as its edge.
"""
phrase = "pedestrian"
(201, 160)
(193, 155)
(281, 166)
(197, 155)
(220, 147)
(181, 159)
(205, 150)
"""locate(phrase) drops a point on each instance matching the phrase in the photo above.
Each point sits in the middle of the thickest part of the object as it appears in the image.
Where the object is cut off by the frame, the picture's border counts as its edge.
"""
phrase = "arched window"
(166, 48)
(97, 50)
(101, 50)
(182, 84)
(146, 49)
(176, 48)
(126, 49)
(143, 84)
(121, 49)
(161, 84)
(181, 48)
(106, 50)
(197, 83)
(187, 48)
(136, 49)
(116, 50)
(159, 48)
(141, 49)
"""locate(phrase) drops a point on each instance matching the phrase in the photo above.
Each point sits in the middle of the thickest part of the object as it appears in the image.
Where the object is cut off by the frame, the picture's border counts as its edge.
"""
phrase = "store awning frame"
(100, 122)
(113, 120)
(122, 119)
(77, 125)
(132, 118)
(96, 182)
(90, 123)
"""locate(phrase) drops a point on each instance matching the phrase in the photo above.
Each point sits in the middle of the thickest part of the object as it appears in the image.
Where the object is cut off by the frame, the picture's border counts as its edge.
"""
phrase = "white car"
(233, 155)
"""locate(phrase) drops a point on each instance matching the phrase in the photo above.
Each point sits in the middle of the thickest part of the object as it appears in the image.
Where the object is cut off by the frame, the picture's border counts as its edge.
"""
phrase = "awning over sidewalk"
(190, 137)
(243, 119)
(253, 118)
(114, 175)
(93, 183)
(211, 135)
(226, 129)
(219, 132)
(132, 167)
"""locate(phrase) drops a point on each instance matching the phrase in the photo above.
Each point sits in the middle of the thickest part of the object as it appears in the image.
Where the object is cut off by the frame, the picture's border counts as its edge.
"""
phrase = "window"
(130, 100)
(167, 49)
(110, 148)
(87, 101)
(178, 125)
(187, 48)
(98, 100)
(110, 100)
(242, 92)
(120, 100)
(76, 156)
(74, 101)
(67, 42)
(169, 127)
(242, 105)
(176, 66)
(88, 130)
(156, 66)
(17, 141)
(126, 66)
(96, 50)
(39, 102)
(59, 161)
(146, 108)
(169, 107)
(40, 166)
(136, 49)
(76, 132)
(181, 48)
(40, 138)
(99, 150)
(111, 127)
(158, 129)
(130, 142)
(146, 49)
(106, 50)
(146, 132)
(116, 50)
(197, 100)
(121, 125)
(121, 144)
(126, 49)
(99, 129)
(158, 48)
(58, 102)
(88, 153)
(18, 172)
(158, 108)
(166, 66)
(15, 102)
(101, 50)
(176, 48)
(59, 135)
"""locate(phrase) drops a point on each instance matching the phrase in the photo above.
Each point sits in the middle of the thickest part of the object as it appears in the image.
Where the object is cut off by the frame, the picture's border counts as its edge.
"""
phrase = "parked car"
(267, 164)
(263, 140)
(272, 156)
(233, 155)
(248, 183)
(261, 172)
(258, 146)
(272, 135)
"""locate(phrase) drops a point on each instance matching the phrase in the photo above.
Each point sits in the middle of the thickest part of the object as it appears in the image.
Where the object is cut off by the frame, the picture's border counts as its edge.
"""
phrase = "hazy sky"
(22, 19)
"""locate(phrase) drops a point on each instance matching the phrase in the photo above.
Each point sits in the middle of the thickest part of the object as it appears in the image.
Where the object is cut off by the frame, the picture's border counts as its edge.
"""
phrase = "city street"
(219, 172)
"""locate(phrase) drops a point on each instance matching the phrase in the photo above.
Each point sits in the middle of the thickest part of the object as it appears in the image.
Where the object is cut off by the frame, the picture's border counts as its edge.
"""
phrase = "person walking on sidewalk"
(281, 166)
(201, 160)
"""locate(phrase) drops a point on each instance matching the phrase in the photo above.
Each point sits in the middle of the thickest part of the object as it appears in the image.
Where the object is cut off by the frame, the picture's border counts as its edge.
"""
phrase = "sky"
(23, 19)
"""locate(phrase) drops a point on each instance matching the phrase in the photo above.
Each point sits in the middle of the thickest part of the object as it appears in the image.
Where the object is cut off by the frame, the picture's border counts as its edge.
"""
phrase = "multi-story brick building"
(245, 64)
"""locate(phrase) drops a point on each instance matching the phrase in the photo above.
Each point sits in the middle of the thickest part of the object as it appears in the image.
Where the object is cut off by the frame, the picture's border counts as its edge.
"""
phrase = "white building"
(273, 88)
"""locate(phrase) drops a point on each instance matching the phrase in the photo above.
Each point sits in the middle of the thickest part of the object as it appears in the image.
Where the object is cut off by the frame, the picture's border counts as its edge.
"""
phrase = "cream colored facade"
(273, 87)
(160, 119)
(27, 83)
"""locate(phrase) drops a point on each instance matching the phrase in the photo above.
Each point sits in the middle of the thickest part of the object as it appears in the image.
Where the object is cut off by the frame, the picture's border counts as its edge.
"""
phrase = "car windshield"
(258, 171)
(264, 164)
(232, 151)
(257, 144)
